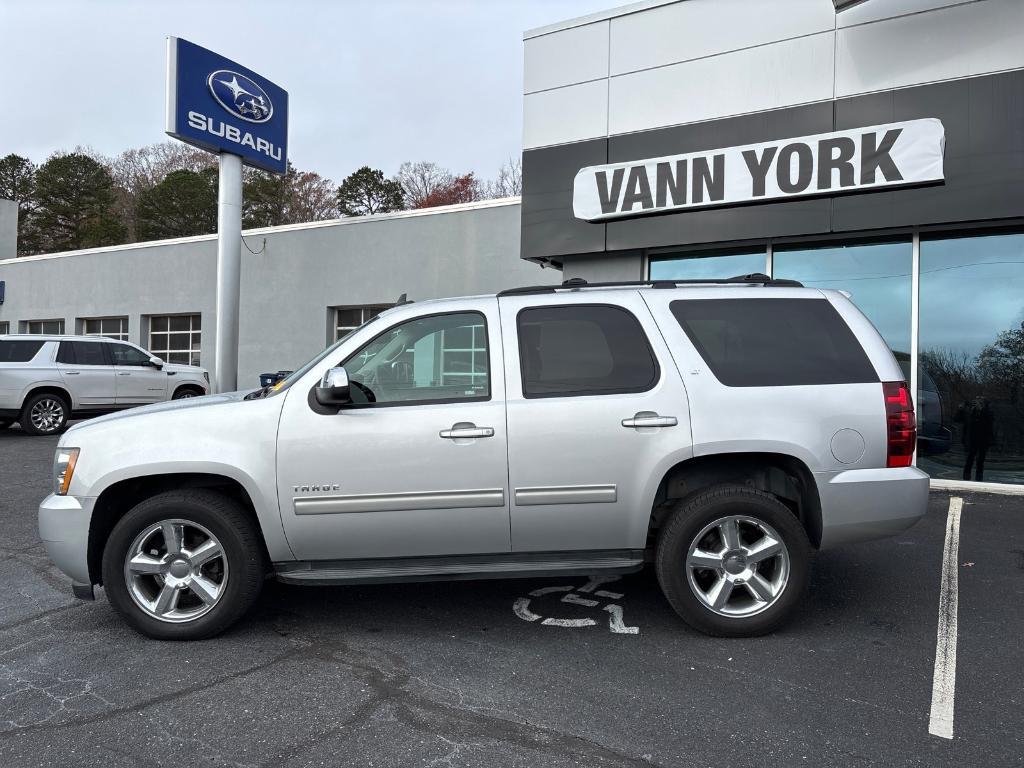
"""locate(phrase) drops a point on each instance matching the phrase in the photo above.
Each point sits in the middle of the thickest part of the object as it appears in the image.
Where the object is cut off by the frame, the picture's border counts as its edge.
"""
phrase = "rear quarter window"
(19, 351)
(774, 342)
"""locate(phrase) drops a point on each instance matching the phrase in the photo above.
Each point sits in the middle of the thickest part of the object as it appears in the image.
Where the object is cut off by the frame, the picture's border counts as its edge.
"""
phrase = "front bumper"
(64, 529)
(864, 504)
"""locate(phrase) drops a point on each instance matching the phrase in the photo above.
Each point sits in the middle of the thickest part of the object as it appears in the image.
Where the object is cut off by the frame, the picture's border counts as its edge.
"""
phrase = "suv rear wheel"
(45, 414)
(733, 561)
(184, 565)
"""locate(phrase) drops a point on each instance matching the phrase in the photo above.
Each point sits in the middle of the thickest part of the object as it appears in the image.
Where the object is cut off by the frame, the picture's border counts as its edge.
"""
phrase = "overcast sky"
(370, 83)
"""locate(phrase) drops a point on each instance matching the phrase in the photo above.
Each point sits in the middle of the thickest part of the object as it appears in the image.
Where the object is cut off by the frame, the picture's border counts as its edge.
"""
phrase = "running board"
(459, 567)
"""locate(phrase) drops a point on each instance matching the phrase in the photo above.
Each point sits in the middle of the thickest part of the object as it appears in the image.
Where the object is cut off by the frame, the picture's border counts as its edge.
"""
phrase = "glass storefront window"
(708, 266)
(876, 275)
(971, 344)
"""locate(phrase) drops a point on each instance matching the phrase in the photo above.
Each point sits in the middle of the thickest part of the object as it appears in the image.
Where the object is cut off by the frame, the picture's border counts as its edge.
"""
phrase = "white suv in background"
(45, 380)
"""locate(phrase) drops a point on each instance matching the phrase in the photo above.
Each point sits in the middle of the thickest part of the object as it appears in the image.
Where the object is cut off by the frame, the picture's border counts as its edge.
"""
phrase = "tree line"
(83, 199)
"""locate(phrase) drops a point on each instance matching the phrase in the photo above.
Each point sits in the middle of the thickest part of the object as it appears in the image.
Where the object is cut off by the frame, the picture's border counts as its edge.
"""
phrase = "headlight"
(63, 469)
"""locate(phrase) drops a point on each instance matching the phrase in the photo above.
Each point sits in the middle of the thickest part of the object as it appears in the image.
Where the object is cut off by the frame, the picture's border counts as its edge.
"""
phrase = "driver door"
(417, 465)
(138, 380)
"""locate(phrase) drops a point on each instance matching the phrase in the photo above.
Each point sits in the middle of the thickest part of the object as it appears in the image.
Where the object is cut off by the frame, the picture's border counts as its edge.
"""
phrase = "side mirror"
(156, 362)
(334, 389)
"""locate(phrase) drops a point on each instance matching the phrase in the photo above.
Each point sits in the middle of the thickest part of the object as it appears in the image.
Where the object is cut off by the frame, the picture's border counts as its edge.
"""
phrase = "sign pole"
(222, 107)
(229, 271)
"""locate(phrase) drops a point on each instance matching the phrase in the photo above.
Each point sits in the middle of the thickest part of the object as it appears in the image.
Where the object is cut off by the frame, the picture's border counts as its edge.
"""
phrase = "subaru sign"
(220, 106)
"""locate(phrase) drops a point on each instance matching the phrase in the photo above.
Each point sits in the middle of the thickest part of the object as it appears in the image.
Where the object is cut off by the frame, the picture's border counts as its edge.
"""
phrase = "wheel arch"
(188, 385)
(782, 475)
(117, 499)
(48, 389)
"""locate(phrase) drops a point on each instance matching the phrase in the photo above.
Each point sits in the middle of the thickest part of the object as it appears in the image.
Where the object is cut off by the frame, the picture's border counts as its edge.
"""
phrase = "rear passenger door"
(596, 413)
(87, 371)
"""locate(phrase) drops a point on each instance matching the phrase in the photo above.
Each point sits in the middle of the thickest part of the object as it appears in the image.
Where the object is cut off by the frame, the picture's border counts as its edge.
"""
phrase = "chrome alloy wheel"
(176, 571)
(47, 414)
(737, 566)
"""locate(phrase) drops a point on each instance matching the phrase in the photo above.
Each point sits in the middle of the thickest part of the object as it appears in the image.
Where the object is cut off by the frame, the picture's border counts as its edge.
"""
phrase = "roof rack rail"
(574, 283)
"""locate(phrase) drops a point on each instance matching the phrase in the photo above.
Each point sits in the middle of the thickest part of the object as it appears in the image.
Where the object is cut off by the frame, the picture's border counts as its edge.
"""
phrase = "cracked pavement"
(445, 674)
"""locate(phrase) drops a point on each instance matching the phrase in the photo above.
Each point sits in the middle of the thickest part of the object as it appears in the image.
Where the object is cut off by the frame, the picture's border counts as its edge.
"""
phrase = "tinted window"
(18, 351)
(774, 342)
(442, 357)
(583, 350)
(125, 355)
(81, 353)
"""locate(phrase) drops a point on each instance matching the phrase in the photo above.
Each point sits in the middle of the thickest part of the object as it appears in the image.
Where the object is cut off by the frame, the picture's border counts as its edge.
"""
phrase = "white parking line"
(940, 722)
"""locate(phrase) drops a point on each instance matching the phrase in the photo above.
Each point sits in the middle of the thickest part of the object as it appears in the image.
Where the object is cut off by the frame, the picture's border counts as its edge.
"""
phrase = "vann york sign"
(828, 163)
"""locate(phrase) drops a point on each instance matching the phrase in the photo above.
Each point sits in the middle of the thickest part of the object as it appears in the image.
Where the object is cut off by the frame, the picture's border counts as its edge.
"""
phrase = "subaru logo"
(240, 95)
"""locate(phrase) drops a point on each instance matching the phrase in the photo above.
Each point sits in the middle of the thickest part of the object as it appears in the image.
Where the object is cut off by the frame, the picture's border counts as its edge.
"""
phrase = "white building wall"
(288, 286)
(659, 63)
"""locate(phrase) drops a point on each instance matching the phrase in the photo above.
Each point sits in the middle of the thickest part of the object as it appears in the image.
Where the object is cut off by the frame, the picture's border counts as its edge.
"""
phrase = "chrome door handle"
(72, 373)
(649, 419)
(464, 431)
(124, 373)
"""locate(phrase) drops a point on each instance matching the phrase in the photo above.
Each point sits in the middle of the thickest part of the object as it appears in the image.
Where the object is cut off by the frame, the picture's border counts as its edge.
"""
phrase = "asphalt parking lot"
(448, 674)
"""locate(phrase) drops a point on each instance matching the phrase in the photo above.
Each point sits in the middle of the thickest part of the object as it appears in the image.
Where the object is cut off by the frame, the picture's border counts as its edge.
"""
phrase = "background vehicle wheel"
(5, 423)
(733, 561)
(185, 392)
(184, 565)
(45, 414)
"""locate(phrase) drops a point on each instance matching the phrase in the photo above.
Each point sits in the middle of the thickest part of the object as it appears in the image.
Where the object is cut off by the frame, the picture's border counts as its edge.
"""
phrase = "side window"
(443, 357)
(122, 354)
(66, 353)
(774, 342)
(583, 349)
(19, 351)
(81, 353)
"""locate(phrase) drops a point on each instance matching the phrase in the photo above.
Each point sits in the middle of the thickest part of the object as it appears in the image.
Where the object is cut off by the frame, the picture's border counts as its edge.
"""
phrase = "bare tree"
(312, 198)
(422, 182)
(509, 182)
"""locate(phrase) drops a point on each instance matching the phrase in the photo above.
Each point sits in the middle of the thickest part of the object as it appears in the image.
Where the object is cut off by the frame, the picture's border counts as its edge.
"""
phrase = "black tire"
(700, 511)
(49, 401)
(182, 393)
(239, 538)
(5, 423)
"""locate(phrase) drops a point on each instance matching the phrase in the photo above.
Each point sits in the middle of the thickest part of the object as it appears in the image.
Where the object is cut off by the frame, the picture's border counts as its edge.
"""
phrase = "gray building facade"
(633, 116)
(302, 285)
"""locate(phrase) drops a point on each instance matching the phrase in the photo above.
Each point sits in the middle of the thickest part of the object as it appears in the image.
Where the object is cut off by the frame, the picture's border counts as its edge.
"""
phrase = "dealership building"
(877, 148)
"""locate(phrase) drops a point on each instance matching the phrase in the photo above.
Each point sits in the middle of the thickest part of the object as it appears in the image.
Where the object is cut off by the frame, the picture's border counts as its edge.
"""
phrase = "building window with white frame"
(347, 319)
(176, 338)
(5, 327)
(464, 355)
(50, 327)
(111, 327)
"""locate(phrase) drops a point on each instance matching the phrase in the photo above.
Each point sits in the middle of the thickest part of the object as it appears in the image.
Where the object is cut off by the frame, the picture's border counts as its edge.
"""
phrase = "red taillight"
(901, 424)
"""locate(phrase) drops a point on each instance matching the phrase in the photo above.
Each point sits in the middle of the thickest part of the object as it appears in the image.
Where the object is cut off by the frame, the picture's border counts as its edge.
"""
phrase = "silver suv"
(722, 431)
(46, 380)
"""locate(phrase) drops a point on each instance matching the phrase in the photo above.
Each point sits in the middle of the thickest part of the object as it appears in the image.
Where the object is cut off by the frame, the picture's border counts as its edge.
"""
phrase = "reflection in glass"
(972, 349)
(709, 266)
(876, 275)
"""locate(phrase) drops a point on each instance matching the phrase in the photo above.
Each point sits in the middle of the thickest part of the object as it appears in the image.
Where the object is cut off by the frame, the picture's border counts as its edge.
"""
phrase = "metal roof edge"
(439, 210)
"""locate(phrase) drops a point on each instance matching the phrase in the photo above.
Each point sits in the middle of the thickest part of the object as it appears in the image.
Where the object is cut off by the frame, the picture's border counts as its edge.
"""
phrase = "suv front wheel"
(733, 561)
(184, 565)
